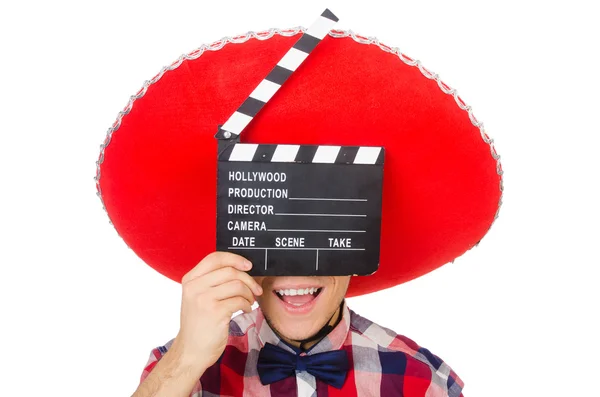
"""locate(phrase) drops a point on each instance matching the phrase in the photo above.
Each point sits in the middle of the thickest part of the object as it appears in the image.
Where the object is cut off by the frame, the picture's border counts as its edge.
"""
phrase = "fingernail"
(248, 264)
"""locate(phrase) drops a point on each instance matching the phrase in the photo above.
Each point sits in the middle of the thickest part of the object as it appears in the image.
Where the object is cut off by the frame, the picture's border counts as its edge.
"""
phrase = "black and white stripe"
(321, 154)
(275, 79)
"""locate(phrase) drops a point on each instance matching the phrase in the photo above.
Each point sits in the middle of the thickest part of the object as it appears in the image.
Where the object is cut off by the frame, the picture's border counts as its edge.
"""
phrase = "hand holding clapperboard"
(297, 209)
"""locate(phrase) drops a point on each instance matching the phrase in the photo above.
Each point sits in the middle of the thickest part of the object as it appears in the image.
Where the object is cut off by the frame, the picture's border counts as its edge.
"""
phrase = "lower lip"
(292, 309)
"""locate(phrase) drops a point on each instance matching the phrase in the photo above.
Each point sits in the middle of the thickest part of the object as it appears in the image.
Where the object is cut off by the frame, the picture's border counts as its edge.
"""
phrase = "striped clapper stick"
(297, 209)
(275, 79)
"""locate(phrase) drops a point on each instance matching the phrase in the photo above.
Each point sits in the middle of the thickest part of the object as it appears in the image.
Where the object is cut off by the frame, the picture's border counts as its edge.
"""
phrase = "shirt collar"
(332, 341)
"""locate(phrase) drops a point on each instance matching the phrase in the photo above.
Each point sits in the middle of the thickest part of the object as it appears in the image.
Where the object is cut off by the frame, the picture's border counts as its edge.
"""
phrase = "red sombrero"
(156, 174)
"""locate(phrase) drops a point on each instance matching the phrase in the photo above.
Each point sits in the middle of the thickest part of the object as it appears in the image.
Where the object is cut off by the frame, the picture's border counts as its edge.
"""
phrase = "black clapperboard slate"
(297, 209)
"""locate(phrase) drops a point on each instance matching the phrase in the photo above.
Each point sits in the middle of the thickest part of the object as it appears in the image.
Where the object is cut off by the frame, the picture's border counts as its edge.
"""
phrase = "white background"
(516, 316)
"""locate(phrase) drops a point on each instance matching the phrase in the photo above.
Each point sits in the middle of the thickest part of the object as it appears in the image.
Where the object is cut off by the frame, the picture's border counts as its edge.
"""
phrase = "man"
(213, 355)
(351, 98)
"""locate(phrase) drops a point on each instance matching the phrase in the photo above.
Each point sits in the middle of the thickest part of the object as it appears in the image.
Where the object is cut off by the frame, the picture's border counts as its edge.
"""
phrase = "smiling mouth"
(298, 297)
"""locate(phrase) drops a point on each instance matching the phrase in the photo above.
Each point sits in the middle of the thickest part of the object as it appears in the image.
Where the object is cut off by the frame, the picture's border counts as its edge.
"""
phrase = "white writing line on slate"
(295, 249)
(324, 199)
(290, 214)
(317, 231)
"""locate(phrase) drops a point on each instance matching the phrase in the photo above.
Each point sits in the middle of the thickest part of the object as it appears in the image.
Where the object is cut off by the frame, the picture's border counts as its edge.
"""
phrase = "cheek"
(335, 296)
(340, 287)
(266, 299)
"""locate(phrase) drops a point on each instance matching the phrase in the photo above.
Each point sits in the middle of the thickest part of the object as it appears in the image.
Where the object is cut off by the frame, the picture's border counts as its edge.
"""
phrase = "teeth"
(294, 292)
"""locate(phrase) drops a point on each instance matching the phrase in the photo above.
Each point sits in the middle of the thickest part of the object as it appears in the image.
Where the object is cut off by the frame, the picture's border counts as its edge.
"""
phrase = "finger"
(215, 261)
(223, 275)
(234, 304)
(232, 289)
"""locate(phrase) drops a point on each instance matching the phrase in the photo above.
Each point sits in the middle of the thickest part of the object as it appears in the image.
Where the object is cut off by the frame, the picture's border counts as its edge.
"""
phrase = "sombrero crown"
(443, 181)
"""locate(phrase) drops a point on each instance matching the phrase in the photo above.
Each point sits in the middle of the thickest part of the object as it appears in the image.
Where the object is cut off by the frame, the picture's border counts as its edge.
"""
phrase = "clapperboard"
(297, 209)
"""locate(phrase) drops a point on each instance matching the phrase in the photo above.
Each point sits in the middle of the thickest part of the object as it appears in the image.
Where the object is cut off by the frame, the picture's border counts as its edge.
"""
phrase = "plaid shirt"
(382, 363)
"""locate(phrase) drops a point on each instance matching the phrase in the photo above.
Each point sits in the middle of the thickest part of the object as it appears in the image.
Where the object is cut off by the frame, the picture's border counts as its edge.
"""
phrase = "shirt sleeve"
(455, 385)
(155, 355)
(444, 374)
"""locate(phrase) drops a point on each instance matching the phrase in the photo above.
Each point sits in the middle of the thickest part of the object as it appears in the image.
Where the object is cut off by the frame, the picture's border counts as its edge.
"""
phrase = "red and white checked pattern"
(383, 363)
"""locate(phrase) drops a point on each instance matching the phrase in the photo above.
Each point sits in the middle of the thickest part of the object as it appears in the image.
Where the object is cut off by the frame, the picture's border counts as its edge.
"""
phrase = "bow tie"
(275, 363)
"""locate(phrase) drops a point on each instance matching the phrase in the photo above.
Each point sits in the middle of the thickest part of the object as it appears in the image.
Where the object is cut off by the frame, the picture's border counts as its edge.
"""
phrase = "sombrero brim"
(442, 184)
